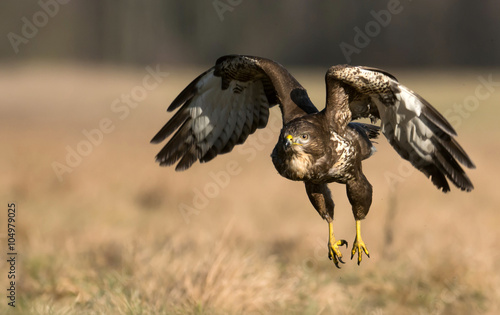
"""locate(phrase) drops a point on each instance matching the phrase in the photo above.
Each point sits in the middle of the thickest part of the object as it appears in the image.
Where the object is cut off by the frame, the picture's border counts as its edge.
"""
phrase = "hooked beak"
(290, 141)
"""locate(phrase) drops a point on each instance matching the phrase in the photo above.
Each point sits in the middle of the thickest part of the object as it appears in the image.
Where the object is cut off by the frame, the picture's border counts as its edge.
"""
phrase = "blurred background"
(421, 33)
(101, 228)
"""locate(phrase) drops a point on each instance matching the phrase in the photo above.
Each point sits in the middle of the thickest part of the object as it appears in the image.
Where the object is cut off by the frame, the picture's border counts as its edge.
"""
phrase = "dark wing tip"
(436, 176)
(436, 117)
(186, 161)
(468, 188)
(185, 157)
(179, 119)
(156, 139)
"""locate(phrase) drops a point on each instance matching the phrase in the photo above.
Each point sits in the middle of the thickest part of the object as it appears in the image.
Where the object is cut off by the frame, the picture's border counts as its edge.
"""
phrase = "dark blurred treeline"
(389, 32)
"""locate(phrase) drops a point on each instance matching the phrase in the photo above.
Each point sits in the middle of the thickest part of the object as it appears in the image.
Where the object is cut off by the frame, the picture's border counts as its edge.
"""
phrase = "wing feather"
(175, 122)
(414, 128)
(224, 105)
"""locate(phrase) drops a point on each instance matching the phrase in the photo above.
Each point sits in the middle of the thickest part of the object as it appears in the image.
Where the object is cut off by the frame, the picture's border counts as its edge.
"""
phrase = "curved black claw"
(334, 252)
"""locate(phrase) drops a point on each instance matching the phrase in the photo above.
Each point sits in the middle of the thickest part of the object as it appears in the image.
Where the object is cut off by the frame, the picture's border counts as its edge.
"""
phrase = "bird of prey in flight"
(229, 101)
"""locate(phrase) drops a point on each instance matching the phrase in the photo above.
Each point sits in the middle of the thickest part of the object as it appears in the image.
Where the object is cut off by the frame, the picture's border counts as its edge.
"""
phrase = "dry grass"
(110, 237)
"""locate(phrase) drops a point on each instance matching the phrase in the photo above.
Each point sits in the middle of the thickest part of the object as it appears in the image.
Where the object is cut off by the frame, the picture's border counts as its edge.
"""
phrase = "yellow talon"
(333, 247)
(359, 246)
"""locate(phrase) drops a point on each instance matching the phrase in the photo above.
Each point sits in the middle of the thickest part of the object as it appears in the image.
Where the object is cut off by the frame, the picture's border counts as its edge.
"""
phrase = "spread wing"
(415, 129)
(224, 105)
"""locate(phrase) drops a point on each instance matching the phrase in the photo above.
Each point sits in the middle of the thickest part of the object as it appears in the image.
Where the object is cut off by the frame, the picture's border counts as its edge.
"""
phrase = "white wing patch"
(408, 98)
(223, 114)
(216, 119)
(402, 126)
(422, 136)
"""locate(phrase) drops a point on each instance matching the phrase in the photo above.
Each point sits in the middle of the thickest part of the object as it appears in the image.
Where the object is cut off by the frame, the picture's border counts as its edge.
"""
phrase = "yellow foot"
(333, 247)
(359, 246)
(334, 251)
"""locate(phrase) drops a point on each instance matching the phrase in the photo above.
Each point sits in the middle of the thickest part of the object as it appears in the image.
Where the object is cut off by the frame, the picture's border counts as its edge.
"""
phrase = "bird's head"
(300, 145)
(300, 136)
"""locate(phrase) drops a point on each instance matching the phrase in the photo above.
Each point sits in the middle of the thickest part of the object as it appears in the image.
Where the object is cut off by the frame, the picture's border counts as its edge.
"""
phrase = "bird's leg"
(333, 246)
(359, 192)
(321, 199)
(359, 246)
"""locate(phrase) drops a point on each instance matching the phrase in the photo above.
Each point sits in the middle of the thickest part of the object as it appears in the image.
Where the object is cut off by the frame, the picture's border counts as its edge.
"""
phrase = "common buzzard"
(229, 101)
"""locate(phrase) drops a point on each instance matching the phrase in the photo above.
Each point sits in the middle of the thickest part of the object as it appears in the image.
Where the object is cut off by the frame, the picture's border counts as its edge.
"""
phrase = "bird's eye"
(304, 138)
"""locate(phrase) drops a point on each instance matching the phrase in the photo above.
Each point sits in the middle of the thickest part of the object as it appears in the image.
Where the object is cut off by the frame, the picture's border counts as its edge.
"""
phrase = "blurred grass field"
(110, 238)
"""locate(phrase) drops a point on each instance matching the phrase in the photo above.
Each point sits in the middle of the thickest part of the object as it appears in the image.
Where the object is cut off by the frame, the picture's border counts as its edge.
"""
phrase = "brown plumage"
(228, 102)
